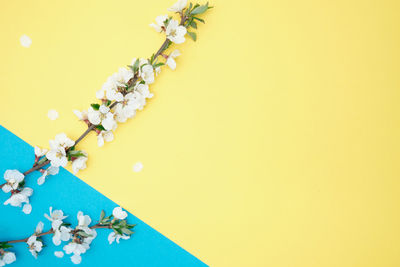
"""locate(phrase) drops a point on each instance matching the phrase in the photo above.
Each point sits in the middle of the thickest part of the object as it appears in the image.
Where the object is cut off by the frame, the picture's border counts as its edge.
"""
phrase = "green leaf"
(199, 9)
(108, 102)
(168, 45)
(130, 226)
(158, 65)
(4, 245)
(152, 59)
(100, 127)
(105, 220)
(199, 19)
(189, 8)
(135, 66)
(192, 35)
(102, 214)
(193, 24)
(166, 22)
(118, 231)
(127, 231)
(21, 184)
(95, 106)
(76, 153)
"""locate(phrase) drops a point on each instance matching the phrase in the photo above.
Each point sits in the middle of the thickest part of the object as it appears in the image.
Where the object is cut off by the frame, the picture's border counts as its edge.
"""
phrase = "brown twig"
(96, 226)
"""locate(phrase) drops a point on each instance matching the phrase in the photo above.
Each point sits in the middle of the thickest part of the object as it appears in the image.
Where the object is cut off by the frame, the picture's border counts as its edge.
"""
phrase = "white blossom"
(175, 32)
(159, 25)
(40, 152)
(178, 6)
(7, 258)
(52, 114)
(17, 199)
(52, 170)
(61, 140)
(25, 41)
(132, 101)
(171, 59)
(79, 248)
(102, 116)
(13, 178)
(76, 249)
(139, 100)
(143, 89)
(61, 233)
(147, 73)
(79, 163)
(111, 88)
(116, 237)
(34, 245)
(123, 76)
(107, 136)
(119, 214)
(83, 220)
(57, 157)
(55, 217)
(126, 108)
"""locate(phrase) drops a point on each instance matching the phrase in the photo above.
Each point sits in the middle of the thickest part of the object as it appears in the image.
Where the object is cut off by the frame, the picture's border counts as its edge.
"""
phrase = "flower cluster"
(6, 257)
(121, 96)
(79, 238)
(124, 93)
(19, 193)
(63, 150)
(35, 243)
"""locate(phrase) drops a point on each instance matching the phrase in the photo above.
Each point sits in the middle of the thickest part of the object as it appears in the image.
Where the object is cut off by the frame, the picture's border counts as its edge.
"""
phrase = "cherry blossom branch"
(122, 95)
(96, 226)
(91, 127)
(79, 238)
(26, 239)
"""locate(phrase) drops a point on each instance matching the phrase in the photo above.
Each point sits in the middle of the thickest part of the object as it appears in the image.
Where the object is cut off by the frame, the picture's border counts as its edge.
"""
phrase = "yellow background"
(274, 143)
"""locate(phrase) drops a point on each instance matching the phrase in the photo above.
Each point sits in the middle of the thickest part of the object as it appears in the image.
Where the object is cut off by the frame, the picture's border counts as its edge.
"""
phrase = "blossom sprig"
(121, 96)
(78, 239)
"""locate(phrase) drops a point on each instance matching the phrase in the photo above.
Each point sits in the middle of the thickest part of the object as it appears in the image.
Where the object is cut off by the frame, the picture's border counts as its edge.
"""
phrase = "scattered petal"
(76, 259)
(25, 41)
(27, 208)
(137, 167)
(41, 179)
(59, 254)
(52, 114)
